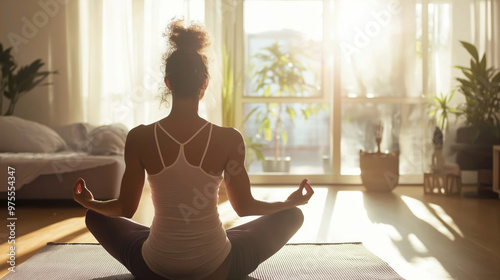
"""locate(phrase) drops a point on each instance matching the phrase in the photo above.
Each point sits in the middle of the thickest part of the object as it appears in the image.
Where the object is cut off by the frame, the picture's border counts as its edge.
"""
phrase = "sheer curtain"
(122, 46)
(474, 21)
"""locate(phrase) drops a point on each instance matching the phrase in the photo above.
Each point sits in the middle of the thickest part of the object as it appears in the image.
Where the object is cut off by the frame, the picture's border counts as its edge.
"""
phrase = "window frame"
(331, 95)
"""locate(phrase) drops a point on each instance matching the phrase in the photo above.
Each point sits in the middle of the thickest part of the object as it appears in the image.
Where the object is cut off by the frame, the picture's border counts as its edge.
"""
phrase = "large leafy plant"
(481, 88)
(279, 72)
(15, 84)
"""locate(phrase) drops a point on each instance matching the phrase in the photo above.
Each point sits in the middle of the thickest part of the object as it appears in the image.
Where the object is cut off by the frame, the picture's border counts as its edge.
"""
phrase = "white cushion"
(23, 136)
(107, 140)
(75, 135)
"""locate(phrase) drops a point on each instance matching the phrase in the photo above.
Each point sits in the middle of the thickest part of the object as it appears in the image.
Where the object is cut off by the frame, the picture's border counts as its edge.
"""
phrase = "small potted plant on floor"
(379, 171)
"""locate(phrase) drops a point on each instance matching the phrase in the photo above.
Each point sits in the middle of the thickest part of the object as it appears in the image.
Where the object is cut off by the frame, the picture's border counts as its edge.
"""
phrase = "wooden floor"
(420, 236)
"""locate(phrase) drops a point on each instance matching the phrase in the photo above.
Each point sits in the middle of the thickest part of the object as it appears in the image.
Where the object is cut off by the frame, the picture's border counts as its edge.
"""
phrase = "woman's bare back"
(222, 140)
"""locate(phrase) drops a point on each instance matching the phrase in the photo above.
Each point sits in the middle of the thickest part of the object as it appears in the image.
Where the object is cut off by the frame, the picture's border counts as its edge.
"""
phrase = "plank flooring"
(420, 236)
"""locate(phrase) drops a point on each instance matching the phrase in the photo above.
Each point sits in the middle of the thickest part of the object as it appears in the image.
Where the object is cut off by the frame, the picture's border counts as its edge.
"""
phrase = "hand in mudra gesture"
(81, 194)
(297, 197)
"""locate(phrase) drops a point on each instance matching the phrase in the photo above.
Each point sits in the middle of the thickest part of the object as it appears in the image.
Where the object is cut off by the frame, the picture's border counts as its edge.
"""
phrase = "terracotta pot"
(379, 171)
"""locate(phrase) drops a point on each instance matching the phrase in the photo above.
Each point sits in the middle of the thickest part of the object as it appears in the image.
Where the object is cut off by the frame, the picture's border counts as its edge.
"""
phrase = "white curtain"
(473, 21)
(223, 20)
(122, 59)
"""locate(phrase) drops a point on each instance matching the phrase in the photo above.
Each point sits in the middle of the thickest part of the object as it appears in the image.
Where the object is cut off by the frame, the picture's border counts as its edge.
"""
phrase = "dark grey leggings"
(251, 243)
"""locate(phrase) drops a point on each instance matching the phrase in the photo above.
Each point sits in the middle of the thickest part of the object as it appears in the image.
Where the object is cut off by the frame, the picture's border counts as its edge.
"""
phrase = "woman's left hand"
(81, 194)
(297, 197)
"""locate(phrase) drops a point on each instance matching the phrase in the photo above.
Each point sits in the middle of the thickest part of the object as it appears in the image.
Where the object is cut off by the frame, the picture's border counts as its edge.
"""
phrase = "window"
(285, 106)
(364, 62)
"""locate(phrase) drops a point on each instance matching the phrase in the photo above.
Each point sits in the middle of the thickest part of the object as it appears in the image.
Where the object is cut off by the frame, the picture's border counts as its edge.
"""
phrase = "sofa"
(47, 161)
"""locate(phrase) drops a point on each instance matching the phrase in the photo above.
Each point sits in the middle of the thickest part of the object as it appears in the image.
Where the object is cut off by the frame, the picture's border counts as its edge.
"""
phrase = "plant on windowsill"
(15, 84)
(280, 73)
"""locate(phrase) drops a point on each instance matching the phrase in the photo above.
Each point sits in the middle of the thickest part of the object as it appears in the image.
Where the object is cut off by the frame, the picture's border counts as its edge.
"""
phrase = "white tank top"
(187, 239)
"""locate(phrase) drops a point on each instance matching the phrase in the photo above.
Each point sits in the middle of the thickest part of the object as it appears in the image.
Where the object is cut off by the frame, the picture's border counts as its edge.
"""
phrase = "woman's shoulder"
(139, 132)
(228, 132)
(140, 128)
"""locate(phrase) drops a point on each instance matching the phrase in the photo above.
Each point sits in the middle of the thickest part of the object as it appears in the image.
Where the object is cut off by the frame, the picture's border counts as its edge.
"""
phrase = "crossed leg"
(254, 242)
(122, 238)
(251, 243)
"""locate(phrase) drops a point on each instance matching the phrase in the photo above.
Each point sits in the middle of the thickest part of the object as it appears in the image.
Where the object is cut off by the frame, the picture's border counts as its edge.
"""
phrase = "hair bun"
(192, 38)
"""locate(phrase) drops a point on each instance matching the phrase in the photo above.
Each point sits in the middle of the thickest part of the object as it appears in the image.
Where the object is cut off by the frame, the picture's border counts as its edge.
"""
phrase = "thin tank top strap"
(187, 141)
(206, 147)
(158, 144)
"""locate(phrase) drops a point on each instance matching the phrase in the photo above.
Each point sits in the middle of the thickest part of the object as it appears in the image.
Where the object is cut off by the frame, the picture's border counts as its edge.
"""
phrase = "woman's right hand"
(81, 194)
(297, 197)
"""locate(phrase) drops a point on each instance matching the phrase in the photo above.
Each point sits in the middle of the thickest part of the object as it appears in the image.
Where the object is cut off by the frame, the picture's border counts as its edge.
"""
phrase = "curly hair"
(186, 67)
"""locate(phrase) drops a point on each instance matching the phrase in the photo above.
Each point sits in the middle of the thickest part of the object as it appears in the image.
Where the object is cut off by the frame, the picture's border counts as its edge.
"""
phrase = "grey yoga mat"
(294, 261)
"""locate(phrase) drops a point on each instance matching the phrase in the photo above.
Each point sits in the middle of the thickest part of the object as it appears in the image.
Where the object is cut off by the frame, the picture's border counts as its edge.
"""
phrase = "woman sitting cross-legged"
(186, 158)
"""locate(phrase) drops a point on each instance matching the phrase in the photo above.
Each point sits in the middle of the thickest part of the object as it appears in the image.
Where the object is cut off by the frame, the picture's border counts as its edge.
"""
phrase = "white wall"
(40, 29)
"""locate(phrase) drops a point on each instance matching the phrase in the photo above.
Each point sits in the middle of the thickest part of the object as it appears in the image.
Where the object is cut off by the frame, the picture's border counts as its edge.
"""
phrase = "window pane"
(300, 132)
(403, 131)
(283, 48)
(378, 45)
(440, 68)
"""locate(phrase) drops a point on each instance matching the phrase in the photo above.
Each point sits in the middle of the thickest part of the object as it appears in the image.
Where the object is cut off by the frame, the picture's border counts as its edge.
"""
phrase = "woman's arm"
(131, 186)
(238, 185)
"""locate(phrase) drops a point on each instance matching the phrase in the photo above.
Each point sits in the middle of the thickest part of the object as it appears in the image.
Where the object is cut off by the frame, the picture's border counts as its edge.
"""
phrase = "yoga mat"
(294, 261)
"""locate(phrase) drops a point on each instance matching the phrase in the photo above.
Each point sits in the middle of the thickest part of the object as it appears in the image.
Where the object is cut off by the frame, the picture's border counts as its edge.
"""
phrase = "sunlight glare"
(350, 213)
(56, 230)
(421, 211)
(391, 232)
(303, 16)
(446, 218)
(417, 244)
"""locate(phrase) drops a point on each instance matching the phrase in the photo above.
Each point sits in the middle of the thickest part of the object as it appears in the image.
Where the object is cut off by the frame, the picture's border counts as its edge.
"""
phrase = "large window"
(362, 65)
(286, 107)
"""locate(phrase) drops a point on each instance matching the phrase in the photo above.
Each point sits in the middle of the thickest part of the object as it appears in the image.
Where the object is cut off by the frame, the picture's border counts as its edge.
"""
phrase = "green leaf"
(465, 83)
(268, 133)
(483, 63)
(471, 49)
(468, 74)
(496, 79)
(291, 112)
(267, 92)
(284, 137)
(250, 114)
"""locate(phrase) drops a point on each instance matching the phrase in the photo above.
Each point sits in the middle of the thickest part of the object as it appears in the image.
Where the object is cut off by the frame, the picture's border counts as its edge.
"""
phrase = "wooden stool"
(442, 183)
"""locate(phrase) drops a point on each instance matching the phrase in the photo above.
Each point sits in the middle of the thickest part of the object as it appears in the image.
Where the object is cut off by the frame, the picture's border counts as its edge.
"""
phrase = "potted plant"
(279, 73)
(379, 171)
(481, 89)
(15, 84)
